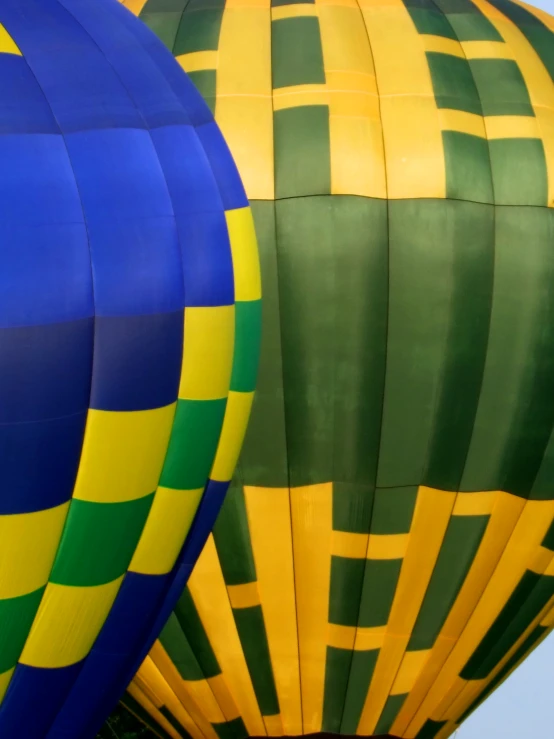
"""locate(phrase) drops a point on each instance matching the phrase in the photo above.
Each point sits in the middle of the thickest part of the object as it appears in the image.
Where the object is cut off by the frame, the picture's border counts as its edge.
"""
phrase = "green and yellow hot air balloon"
(386, 556)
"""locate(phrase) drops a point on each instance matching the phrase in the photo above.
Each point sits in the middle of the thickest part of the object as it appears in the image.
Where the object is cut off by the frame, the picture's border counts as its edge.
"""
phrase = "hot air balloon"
(129, 298)
(386, 556)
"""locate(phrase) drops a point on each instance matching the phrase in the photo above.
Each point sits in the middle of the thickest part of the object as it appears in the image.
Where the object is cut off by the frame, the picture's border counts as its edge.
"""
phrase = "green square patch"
(296, 53)
(204, 81)
(468, 167)
(501, 87)
(453, 83)
(519, 172)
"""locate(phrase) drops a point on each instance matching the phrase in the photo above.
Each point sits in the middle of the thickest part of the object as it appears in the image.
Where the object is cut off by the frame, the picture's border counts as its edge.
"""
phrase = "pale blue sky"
(523, 707)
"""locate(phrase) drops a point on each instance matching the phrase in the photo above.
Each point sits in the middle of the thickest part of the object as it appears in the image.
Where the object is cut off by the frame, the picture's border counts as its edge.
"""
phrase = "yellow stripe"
(135, 6)
(346, 544)
(442, 45)
(223, 696)
(410, 669)
(387, 546)
(300, 95)
(459, 120)
(271, 536)
(350, 637)
(293, 11)
(198, 61)
(273, 725)
(243, 89)
(123, 453)
(486, 50)
(406, 90)
(7, 44)
(235, 422)
(512, 127)
(244, 247)
(5, 678)
(28, 545)
(541, 561)
(67, 623)
(209, 593)
(311, 509)
(244, 596)
(167, 525)
(475, 504)
(151, 709)
(431, 517)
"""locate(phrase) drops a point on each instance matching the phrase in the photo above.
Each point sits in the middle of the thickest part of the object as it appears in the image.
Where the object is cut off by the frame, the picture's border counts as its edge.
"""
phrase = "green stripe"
(296, 53)
(248, 330)
(352, 506)
(200, 27)
(98, 541)
(468, 168)
(380, 580)
(337, 672)
(232, 539)
(205, 82)
(176, 644)
(234, 729)
(430, 729)
(453, 83)
(519, 171)
(548, 540)
(460, 544)
(393, 510)
(196, 429)
(191, 624)
(163, 18)
(253, 638)
(361, 672)
(390, 712)
(468, 21)
(16, 619)
(347, 576)
(173, 721)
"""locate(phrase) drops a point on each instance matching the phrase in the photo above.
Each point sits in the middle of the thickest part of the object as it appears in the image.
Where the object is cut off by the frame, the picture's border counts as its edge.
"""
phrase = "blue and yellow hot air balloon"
(129, 314)
(386, 555)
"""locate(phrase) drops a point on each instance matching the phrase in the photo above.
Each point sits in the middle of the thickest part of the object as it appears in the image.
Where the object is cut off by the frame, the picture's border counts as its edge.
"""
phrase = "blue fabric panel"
(30, 192)
(141, 77)
(137, 266)
(207, 259)
(24, 108)
(80, 85)
(126, 163)
(137, 361)
(39, 462)
(221, 162)
(32, 700)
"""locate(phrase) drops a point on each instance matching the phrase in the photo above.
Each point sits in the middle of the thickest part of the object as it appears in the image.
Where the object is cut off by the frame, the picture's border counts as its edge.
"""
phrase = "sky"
(523, 706)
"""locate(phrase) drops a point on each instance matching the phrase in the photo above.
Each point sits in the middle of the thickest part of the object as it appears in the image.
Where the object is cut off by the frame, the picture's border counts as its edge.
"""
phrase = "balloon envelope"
(123, 228)
(386, 555)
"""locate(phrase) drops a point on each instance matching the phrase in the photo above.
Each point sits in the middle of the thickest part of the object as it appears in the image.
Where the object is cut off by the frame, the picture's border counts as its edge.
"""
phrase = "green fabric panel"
(163, 18)
(248, 328)
(176, 644)
(172, 720)
(253, 638)
(234, 729)
(470, 232)
(519, 171)
(530, 596)
(430, 729)
(302, 151)
(337, 673)
(193, 443)
(424, 238)
(205, 82)
(460, 544)
(428, 19)
(296, 53)
(135, 708)
(390, 712)
(199, 28)
(333, 335)
(278, 3)
(468, 22)
(516, 409)
(539, 36)
(548, 541)
(16, 619)
(98, 541)
(501, 87)
(347, 576)
(379, 587)
(263, 460)
(468, 167)
(232, 539)
(352, 506)
(361, 672)
(453, 83)
(189, 620)
(393, 510)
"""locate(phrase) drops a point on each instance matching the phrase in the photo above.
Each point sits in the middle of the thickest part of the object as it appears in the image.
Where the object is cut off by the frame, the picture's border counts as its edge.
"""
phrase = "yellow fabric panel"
(235, 422)
(147, 690)
(273, 725)
(360, 638)
(459, 120)
(5, 678)
(347, 544)
(410, 668)
(537, 79)
(123, 453)
(299, 95)
(311, 513)
(244, 248)
(442, 45)
(223, 696)
(7, 44)
(28, 545)
(151, 709)
(210, 598)
(387, 546)
(197, 61)
(269, 521)
(504, 517)
(167, 525)
(431, 517)
(406, 91)
(475, 504)
(208, 356)
(486, 50)
(293, 11)
(512, 127)
(243, 95)
(244, 596)
(135, 6)
(541, 560)
(67, 623)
